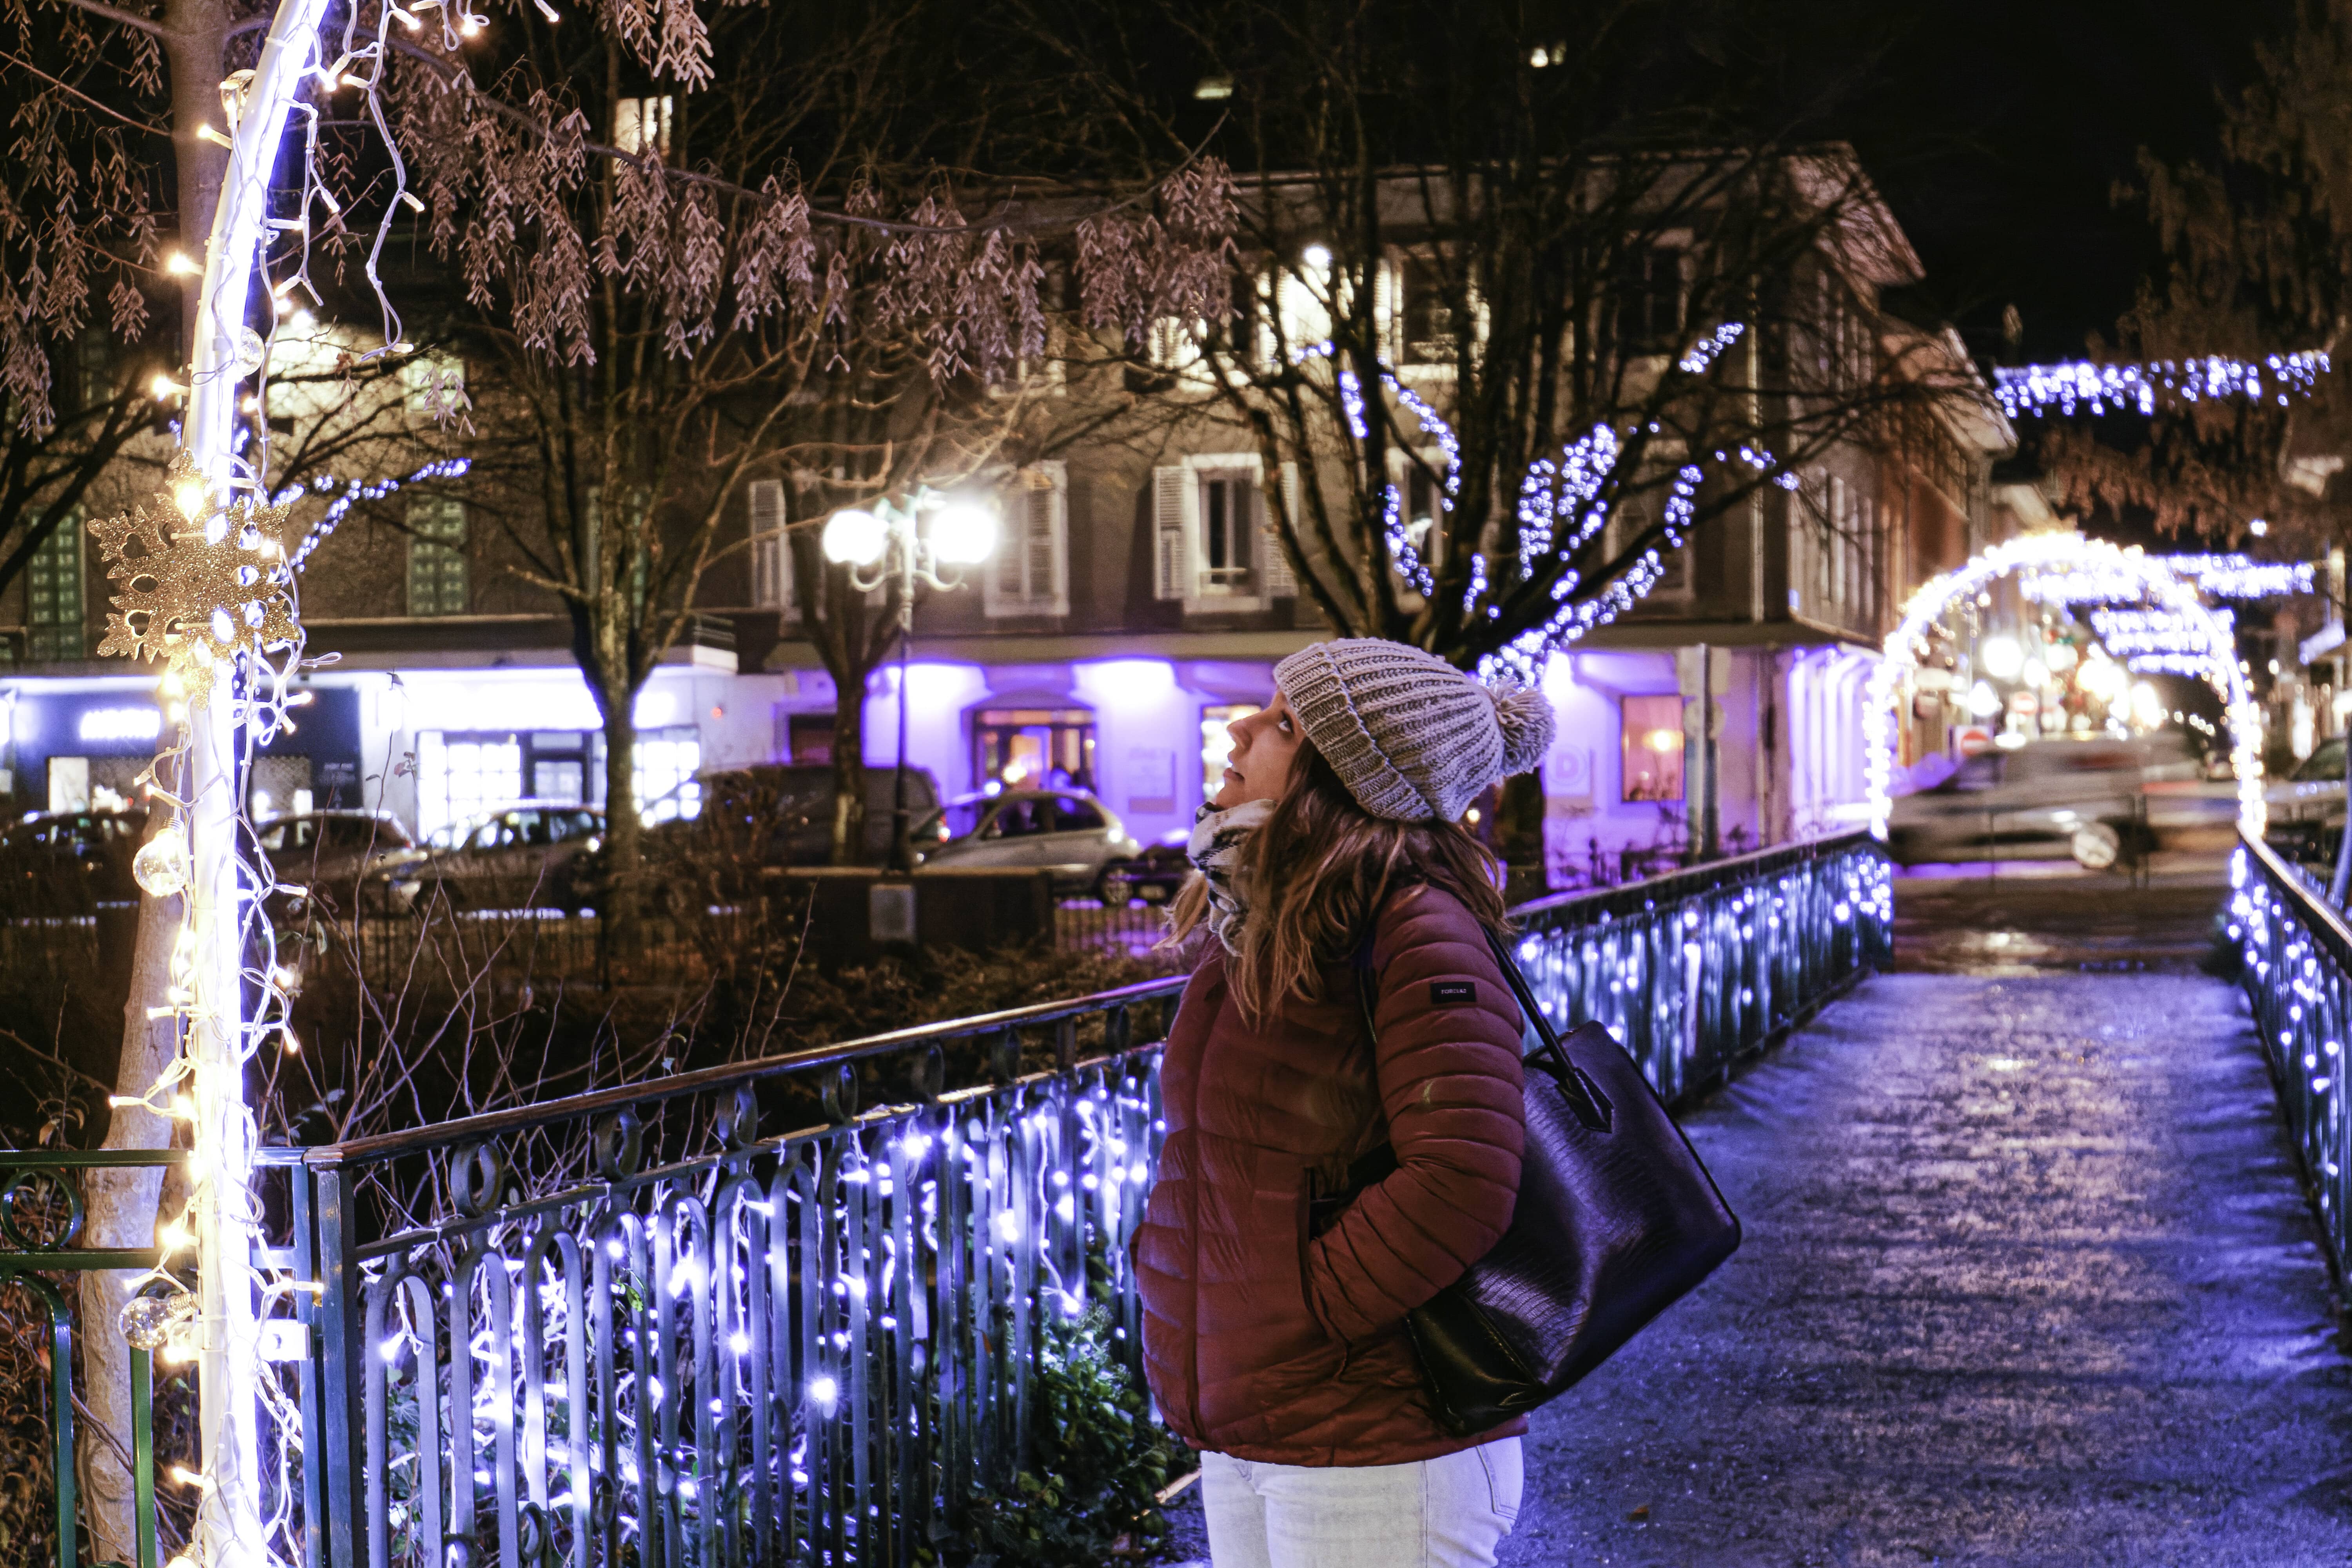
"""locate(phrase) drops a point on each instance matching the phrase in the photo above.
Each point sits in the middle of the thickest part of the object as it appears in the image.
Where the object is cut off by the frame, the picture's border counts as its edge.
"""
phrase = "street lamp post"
(891, 541)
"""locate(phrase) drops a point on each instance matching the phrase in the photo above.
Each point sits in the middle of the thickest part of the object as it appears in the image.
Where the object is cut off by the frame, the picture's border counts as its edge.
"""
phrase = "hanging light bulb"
(162, 867)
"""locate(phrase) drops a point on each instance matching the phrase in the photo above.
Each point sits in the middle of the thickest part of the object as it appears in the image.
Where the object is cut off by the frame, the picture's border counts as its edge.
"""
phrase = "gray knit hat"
(1410, 735)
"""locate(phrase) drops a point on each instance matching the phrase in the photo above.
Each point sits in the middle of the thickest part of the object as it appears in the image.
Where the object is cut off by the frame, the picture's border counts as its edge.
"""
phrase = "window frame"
(1626, 733)
(1053, 596)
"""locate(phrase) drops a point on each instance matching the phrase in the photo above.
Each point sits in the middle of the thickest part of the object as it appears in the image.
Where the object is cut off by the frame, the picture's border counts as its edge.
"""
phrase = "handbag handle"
(1590, 1106)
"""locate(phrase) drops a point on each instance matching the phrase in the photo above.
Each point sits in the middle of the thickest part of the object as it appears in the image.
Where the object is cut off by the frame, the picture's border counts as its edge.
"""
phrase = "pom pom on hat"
(1525, 716)
(1411, 736)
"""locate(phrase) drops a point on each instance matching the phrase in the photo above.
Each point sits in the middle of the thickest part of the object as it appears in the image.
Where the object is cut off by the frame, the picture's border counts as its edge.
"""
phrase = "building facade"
(1134, 607)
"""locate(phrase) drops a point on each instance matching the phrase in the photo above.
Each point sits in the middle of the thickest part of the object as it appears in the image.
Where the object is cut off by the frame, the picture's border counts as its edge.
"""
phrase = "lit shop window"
(461, 775)
(1217, 743)
(1035, 748)
(1654, 748)
(668, 763)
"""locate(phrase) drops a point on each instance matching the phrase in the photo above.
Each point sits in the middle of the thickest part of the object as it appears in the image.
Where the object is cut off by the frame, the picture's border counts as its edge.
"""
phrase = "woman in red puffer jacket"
(1334, 876)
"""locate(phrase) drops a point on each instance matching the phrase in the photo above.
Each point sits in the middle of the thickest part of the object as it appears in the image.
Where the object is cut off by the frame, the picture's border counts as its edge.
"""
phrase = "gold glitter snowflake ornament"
(202, 582)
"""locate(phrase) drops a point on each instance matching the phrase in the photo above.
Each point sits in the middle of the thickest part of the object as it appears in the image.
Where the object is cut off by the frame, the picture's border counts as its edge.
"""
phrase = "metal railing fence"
(2294, 954)
(41, 1213)
(1695, 970)
(682, 1343)
(811, 1348)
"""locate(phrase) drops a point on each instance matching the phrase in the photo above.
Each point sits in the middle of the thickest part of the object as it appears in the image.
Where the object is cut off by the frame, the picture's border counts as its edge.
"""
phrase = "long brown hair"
(1314, 876)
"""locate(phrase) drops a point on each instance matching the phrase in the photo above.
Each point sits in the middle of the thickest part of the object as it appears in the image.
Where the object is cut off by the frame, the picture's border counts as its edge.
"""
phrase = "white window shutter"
(1049, 541)
(1004, 586)
(1281, 582)
(1029, 574)
(771, 559)
(1173, 501)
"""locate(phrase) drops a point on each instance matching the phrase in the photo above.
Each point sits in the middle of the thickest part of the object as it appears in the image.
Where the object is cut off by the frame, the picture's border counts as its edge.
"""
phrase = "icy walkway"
(2028, 1281)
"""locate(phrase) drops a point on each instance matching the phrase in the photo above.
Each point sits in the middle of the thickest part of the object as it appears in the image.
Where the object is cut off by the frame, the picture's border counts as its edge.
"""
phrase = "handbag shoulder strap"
(1532, 1009)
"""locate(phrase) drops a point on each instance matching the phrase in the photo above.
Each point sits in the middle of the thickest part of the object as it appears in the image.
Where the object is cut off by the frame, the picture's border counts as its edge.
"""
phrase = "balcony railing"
(627, 1326)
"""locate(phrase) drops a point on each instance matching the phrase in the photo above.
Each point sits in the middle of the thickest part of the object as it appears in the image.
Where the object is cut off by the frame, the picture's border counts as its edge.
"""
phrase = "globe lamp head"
(963, 534)
(855, 538)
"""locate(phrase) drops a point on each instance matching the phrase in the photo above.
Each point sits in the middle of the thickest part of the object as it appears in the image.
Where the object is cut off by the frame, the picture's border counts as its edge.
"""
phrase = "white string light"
(2102, 388)
(1560, 508)
(2164, 642)
(2049, 554)
(2220, 576)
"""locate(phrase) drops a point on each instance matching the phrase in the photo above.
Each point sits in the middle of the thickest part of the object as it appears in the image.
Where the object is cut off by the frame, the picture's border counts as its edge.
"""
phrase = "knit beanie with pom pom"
(1411, 736)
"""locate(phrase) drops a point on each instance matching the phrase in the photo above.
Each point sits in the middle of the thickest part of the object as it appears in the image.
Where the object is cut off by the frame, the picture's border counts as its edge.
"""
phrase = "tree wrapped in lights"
(647, 254)
(1521, 316)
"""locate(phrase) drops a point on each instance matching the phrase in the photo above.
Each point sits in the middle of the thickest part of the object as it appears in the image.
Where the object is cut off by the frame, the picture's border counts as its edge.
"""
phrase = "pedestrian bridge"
(2030, 1276)
(2042, 1177)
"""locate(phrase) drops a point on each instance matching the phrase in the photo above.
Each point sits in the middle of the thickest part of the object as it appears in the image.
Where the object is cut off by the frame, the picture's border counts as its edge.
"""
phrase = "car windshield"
(2326, 763)
(1019, 818)
(1982, 772)
(1073, 812)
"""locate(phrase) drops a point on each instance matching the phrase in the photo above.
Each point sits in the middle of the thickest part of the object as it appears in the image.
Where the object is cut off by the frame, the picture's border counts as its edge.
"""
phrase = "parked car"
(1153, 876)
(782, 813)
(67, 863)
(2306, 806)
(2096, 799)
(1066, 832)
(339, 854)
(518, 857)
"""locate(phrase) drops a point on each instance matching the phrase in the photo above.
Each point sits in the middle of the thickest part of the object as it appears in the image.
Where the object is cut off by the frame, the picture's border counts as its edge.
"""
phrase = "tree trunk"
(196, 34)
(849, 773)
(122, 1204)
(621, 895)
(1519, 834)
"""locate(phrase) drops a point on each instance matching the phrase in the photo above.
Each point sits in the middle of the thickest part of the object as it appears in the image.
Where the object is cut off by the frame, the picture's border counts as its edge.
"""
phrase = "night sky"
(1996, 127)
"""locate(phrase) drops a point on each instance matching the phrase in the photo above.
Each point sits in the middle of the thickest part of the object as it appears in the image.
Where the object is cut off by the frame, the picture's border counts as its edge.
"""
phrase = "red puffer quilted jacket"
(1258, 1339)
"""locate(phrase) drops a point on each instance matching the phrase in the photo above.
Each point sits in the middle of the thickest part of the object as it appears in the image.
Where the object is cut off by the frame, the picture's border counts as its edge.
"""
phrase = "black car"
(67, 863)
(782, 813)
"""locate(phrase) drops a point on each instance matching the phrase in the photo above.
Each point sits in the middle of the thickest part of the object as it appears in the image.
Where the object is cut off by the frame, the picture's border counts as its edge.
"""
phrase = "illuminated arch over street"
(2154, 578)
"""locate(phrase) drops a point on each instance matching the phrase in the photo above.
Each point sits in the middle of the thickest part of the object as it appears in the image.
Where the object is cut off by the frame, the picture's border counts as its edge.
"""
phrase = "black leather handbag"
(1616, 1220)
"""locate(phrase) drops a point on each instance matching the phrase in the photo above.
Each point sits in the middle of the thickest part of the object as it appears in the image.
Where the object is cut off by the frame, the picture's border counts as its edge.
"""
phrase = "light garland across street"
(2149, 578)
(2219, 577)
(2097, 387)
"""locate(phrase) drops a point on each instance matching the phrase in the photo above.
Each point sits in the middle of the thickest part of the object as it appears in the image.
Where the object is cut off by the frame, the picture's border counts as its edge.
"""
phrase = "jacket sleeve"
(1448, 1070)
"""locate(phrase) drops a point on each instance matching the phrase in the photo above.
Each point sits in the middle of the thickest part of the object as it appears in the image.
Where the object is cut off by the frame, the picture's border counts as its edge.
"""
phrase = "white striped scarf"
(1215, 847)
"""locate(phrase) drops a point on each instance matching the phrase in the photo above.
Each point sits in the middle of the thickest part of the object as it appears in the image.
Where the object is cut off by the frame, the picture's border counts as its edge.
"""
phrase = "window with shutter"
(1172, 499)
(1840, 540)
(436, 556)
(1209, 535)
(1029, 574)
(772, 557)
(1281, 582)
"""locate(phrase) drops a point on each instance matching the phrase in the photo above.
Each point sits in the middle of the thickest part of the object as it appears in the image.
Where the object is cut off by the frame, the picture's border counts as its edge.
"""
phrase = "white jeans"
(1447, 1512)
